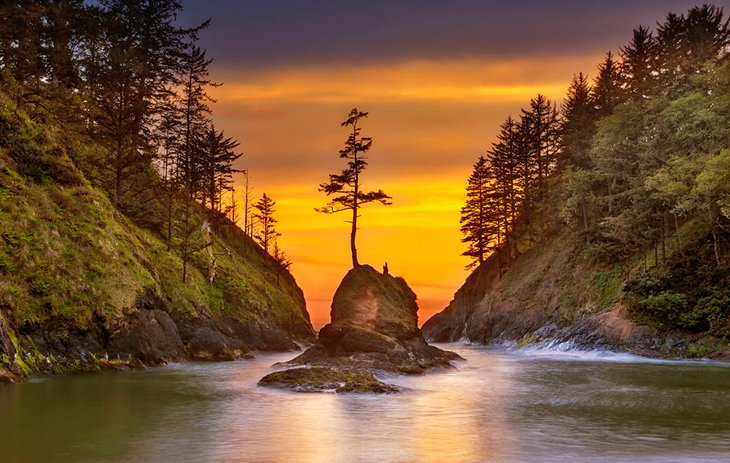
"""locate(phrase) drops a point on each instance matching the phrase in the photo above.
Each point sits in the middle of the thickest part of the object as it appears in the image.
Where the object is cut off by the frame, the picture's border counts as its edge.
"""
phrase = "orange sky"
(430, 120)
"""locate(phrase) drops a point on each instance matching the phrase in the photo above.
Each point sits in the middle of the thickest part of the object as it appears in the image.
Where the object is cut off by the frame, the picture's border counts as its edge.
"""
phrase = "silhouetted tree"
(217, 159)
(479, 223)
(607, 91)
(505, 165)
(346, 186)
(639, 64)
(686, 43)
(579, 121)
(541, 127)
(265, 215)
(194, 120)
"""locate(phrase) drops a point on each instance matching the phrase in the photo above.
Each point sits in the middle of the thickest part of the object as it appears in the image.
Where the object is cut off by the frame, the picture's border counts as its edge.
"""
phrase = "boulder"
(210, 344)
(377, 302)
(148, 335)
(374, 329)
(327, 379)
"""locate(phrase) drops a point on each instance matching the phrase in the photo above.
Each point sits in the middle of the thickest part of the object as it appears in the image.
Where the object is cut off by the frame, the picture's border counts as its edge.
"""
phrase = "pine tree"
(579, 120)
(477, 215)
(280, 257)
(347, 185)
(194, 112)
(134, 63)
(504, 161)
(686, 43)
(265, 215)
(639, 64)
(217, 160)
(607, 92)
(542, 129)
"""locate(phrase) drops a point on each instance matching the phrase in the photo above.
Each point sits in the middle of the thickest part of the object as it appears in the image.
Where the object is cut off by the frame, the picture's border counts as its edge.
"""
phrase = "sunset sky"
(437, 78)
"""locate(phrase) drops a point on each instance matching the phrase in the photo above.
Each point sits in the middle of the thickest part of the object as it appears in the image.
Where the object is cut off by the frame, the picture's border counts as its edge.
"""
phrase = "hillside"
(82, 287)
(606, 222)
(556, 292)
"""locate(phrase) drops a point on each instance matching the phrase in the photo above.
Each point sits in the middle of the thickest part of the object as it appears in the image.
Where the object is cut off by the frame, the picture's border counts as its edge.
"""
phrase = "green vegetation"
(69, 260)
(622, 197)
(112, 178)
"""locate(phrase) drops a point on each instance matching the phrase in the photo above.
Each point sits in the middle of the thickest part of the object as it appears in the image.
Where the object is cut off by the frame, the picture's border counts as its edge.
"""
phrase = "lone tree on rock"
(346, 185)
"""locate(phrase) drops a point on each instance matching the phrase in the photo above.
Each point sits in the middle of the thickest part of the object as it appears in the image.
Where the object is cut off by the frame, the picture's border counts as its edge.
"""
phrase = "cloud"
(266, 34)
(472, 81)
(258, 112)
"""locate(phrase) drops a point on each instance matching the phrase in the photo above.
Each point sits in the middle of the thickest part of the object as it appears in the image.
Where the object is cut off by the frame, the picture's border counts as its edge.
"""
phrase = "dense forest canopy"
(129, 89)
(628, 159)
(633, 155)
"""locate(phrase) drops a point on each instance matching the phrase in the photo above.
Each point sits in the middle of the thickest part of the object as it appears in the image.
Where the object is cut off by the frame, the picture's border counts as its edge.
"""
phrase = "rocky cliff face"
(374, 329)
(551, 294)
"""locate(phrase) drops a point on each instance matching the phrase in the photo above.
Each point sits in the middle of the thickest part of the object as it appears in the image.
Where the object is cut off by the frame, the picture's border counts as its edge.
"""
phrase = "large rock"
(382, 303)
(374, 329)
(148, 335)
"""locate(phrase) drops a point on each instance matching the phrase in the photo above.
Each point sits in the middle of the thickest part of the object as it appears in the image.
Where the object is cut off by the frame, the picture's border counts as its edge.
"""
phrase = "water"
(499, 406)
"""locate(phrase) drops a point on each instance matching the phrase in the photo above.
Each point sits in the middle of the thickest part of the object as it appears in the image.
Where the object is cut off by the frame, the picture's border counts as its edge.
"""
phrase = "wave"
(568, 351)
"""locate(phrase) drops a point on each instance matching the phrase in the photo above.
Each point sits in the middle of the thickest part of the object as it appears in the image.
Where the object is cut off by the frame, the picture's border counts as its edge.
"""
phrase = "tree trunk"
(499, 251)
(715, 244)
(676, 228)
(353, 249)
(186, 241)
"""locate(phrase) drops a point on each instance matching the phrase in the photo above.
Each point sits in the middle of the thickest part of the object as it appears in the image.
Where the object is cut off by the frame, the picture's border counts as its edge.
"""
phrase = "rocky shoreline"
(610, 330)
(149, 334)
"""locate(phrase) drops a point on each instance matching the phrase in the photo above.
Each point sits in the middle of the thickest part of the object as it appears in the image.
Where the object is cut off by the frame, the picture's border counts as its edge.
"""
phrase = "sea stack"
(373, 329)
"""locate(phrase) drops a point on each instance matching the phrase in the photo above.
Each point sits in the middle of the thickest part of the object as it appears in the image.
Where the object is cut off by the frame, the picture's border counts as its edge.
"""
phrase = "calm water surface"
(499, 406)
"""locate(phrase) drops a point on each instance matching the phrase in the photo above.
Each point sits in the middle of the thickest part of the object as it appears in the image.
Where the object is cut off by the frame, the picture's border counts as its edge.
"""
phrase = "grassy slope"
(68, 258)
(555, 282)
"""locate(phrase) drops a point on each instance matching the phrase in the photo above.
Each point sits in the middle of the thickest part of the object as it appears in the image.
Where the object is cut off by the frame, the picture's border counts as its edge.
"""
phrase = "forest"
(629, 160)
(129, 90)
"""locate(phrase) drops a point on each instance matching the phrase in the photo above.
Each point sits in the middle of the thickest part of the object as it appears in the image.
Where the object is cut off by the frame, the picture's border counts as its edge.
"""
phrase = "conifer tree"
(130, 73)
(477, 219)
(578, 124)
(218, 156)
(639, 64)
(265, 215)
(607, 92)
(541, 125)
(194, 113)
(686, 43)
(347, 185)
(504, 161)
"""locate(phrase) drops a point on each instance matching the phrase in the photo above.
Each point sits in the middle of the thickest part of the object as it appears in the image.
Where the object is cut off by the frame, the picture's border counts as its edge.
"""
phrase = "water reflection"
(498, 407)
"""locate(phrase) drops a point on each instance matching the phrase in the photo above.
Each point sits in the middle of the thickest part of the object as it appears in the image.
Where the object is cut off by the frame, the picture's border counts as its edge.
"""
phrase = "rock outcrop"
(374, 329)
(552, 295)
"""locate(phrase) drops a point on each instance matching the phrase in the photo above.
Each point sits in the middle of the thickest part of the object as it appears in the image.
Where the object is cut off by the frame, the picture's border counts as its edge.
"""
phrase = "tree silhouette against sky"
(346, 186)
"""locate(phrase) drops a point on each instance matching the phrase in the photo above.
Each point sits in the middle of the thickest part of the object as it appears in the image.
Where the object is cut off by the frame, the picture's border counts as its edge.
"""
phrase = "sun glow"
(429, 120)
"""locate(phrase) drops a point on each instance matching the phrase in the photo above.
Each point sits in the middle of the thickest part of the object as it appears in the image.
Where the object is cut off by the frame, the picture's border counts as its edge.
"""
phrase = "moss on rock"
(327, 379)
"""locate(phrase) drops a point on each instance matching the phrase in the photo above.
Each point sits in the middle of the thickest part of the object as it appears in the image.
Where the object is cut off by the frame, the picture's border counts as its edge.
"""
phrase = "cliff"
(82, 287)
(555, 292)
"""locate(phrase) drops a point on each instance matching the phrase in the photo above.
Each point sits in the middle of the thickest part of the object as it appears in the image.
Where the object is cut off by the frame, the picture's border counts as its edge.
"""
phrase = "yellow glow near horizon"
(458, 80)
(430, 120)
